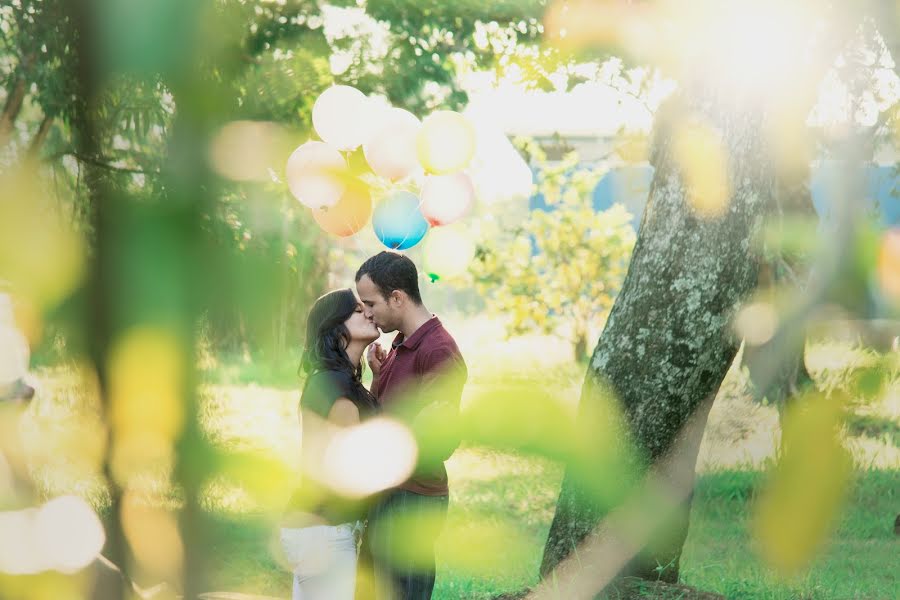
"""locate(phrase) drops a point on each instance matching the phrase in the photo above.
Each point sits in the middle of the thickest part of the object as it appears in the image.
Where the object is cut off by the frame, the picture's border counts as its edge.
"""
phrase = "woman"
(319, 532)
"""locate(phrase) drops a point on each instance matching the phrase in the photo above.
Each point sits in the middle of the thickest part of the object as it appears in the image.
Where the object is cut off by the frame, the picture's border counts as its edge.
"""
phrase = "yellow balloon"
(448, 252)
(446, 142)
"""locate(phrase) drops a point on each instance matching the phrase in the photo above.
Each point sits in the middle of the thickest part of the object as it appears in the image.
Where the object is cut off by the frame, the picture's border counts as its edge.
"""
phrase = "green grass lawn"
(859, 561)
(502, 502)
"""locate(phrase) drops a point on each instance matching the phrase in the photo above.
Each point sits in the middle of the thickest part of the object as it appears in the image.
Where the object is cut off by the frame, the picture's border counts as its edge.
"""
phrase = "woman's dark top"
(321, 391)
(323, 388)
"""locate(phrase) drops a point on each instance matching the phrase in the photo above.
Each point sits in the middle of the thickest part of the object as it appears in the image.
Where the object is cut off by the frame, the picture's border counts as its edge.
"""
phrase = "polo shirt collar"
(418, 335)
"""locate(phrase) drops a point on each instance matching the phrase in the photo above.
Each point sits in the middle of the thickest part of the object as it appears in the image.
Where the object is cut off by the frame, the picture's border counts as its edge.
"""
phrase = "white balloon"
(377, 113)
(342, 116)
(498, 171)
(448, 252)
(313, 174)
(392, 153)
(447, 198)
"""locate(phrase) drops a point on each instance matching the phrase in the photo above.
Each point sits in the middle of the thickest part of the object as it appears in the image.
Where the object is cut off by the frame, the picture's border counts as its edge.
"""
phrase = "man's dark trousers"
(421, 519)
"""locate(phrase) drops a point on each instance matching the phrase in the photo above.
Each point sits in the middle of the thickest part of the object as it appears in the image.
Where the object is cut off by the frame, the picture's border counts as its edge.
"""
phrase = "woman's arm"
(344, 413)
(318, 433)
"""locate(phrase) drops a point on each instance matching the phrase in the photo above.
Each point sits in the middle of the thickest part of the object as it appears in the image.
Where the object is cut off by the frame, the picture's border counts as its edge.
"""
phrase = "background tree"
(286, 54)
(695, 263)
(123, 110)
(559, 270)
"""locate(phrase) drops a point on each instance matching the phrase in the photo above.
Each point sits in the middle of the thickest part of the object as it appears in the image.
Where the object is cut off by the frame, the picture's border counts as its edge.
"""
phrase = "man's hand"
(375, 357)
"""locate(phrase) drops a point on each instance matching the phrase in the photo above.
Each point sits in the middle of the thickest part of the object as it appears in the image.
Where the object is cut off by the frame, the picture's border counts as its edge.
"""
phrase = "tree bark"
(37, 142)
(11, 108)
(99, 285)
(580, 346)
(667, 343)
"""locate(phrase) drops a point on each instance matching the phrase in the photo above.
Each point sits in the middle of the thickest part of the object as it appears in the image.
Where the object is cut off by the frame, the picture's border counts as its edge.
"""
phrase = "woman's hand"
(375, 357)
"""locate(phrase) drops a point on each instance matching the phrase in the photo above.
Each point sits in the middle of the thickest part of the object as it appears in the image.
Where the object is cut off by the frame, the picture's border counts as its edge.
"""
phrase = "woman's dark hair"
(391, 271)
(327, 339)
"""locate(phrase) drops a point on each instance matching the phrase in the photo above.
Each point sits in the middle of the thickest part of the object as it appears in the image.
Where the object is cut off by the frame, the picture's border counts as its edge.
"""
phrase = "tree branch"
(103, 163)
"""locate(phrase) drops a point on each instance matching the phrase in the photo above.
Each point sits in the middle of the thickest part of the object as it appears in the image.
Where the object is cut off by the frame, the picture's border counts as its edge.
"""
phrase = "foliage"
(560, 269)
(268, 61)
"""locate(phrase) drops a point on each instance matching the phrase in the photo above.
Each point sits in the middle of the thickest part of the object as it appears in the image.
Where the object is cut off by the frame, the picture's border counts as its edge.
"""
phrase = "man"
(422, 375)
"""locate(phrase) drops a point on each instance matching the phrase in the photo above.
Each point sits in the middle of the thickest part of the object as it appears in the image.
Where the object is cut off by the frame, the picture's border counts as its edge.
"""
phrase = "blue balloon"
(398, 222)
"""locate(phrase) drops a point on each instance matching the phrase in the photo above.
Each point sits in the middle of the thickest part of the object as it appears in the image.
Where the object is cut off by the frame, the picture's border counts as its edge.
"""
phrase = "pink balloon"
(313, 174)
(447, 198)
(392, 151)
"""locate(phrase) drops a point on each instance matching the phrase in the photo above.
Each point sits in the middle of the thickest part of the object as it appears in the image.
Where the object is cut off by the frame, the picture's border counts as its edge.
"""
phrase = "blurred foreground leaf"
(801, 501)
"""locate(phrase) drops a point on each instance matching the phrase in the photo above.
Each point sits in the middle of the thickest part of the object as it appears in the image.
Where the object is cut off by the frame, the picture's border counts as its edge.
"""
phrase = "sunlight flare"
(756, 323)
(370, 457)
(152, 534)
(702, 156)
(146, 372)
(64, 535)
(248, 150)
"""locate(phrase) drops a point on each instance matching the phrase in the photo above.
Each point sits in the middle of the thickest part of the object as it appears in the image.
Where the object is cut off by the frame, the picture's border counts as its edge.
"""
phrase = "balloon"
(392, 152)
(446, 142)
(446, 198)
(448, 252)
(343, 117)
(349, 215)
(397, 221)
(313, 174)
(498, 171)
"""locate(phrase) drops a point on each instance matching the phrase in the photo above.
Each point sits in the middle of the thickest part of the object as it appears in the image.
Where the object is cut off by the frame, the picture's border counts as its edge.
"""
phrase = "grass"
(859, 560)
(719, 554)
(249, 406)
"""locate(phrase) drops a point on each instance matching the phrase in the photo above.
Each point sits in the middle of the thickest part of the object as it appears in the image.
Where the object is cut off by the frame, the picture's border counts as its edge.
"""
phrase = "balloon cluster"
(399, 150)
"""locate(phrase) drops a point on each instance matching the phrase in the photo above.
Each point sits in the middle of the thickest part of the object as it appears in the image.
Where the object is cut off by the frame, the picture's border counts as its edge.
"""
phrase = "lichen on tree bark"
(668, 341)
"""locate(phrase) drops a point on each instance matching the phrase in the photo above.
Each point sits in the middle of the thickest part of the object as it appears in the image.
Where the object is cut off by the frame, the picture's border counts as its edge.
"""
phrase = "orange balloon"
(349, 215)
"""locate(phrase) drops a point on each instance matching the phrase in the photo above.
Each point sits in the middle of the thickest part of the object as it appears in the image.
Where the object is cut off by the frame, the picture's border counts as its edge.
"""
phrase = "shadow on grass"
(634, 589)
(874, 426)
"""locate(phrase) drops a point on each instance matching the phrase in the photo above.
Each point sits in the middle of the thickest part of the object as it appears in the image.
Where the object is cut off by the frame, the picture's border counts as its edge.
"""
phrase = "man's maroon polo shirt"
(412, 371)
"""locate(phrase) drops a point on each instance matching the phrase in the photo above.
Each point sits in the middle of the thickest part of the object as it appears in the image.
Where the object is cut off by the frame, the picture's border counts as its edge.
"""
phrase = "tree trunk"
(11, 108)
(667, 343)
(40, 137)
(99, 286)
(580, 346)
(780, 380)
